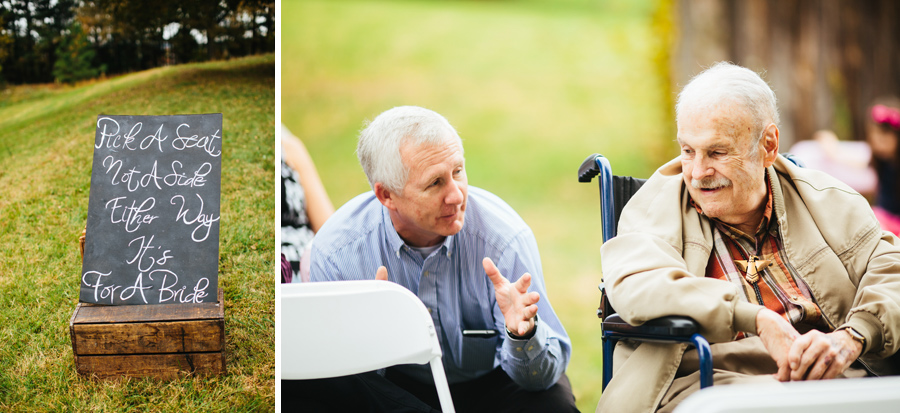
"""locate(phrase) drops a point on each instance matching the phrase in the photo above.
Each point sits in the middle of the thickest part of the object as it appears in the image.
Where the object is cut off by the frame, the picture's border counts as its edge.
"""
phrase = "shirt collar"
(393, 238)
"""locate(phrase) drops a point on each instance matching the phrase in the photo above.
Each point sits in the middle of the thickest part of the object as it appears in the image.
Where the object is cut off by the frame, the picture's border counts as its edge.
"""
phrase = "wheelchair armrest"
(667, 329)
(664, 328)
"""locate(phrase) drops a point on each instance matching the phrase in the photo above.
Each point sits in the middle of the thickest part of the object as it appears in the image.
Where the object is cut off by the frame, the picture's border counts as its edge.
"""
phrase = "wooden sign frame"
(161, 341)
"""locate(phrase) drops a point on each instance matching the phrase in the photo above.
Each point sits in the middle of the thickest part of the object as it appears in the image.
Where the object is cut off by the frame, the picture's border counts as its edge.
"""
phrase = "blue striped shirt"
(451, 281)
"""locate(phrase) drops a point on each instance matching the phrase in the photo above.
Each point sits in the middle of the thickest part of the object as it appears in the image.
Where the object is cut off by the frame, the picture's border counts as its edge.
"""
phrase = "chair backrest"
(339, 328)
(623, 187)
(615, 191)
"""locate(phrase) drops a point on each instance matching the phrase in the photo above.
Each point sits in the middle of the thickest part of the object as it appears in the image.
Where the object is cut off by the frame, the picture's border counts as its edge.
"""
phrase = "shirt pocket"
(478, 353)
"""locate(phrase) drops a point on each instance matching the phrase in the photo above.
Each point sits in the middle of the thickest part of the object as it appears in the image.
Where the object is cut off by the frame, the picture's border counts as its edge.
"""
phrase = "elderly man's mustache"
(711, 182)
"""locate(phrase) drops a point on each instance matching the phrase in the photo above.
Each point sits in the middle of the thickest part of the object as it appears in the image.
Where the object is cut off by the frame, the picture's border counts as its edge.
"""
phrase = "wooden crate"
(162, 341)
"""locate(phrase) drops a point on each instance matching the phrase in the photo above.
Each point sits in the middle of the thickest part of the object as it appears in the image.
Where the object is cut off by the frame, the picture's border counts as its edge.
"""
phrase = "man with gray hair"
(423, 227)
(785, 269)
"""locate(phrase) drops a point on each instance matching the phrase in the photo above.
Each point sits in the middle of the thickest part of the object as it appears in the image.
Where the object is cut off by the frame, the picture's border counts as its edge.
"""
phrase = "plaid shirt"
(774, 284)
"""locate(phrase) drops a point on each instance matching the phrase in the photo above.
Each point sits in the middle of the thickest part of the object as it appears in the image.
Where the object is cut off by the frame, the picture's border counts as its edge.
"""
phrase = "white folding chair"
(331, 329)
(869, 395)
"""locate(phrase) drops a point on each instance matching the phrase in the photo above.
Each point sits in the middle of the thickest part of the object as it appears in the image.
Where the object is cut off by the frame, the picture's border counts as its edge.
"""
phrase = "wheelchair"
(615, 192)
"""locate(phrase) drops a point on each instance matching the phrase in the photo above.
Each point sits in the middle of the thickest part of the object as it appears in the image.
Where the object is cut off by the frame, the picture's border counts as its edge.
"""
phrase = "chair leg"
(704, 354)
(608, 346)
(443, 389)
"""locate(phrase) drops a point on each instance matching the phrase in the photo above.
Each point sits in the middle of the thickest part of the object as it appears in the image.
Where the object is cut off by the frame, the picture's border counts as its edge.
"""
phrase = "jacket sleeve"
(646, 279)
(870, 256)
(876, 305)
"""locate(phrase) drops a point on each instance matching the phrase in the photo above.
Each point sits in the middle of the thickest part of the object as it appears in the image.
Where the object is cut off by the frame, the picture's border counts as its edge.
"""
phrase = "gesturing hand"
(517, 305)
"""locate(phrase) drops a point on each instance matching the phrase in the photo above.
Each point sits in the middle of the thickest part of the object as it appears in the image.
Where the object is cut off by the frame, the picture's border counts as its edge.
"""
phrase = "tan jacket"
(656, 265)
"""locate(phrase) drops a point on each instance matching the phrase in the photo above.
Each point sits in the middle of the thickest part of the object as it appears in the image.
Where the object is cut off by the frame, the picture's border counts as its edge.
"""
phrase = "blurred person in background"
(882, 134)
(848, 161)
(304, 205)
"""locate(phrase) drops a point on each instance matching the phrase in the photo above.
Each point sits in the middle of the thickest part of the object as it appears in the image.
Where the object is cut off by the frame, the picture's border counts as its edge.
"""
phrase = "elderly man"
(784, 268)
(423, 227)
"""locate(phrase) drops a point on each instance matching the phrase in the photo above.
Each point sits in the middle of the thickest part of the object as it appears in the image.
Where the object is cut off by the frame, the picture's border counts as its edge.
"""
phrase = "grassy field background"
(532, 87)
(46, 147)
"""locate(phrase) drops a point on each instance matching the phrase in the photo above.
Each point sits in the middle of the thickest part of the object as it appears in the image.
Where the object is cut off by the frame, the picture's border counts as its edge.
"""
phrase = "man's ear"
(384, 195)
(769, 142)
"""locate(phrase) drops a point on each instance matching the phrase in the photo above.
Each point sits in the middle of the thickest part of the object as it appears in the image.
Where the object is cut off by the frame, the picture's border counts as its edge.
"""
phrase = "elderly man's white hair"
(379, 144)
(729, 83)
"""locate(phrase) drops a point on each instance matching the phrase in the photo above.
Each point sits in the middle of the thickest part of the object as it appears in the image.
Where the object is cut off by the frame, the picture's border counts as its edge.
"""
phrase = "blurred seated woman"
(848, 161)
(304, 205)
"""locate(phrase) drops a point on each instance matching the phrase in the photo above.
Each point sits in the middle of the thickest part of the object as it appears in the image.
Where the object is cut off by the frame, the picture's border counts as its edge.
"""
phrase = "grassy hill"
(46, 147)
(532, 86)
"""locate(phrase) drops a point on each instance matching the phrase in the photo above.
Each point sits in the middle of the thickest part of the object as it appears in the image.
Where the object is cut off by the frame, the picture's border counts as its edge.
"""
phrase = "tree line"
(68, 40)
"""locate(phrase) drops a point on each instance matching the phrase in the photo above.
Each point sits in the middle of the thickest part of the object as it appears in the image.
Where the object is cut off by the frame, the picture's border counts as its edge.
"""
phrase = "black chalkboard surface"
(153, 213)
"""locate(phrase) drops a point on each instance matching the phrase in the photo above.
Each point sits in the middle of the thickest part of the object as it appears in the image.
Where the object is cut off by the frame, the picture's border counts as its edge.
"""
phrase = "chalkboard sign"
(153, 214)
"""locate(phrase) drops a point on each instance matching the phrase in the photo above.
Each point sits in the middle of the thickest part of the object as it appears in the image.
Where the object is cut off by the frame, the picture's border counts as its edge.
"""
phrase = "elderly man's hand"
(812, 356)
(517, 305)
(817, 355)
(778, 336)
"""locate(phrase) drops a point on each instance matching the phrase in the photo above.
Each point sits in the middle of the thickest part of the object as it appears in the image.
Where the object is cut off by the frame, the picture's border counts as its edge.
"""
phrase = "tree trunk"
(826, 59)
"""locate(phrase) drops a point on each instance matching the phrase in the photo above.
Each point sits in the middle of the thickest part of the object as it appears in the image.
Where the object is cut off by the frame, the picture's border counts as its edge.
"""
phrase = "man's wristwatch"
(527, 336)
(855, 335)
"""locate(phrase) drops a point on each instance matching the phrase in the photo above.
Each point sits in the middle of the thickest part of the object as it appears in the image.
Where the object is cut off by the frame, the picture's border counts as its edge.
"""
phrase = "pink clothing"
(845, 160)
(889, 222)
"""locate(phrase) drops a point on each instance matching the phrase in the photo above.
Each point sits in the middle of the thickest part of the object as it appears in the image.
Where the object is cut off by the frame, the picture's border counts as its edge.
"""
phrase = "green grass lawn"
(46, 147)
(533, 87)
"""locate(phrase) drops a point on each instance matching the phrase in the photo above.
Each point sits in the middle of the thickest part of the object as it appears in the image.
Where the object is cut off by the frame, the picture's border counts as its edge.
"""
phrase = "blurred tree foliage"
(5, 42)
(126, 35)
(33, 30)
(74, 56)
